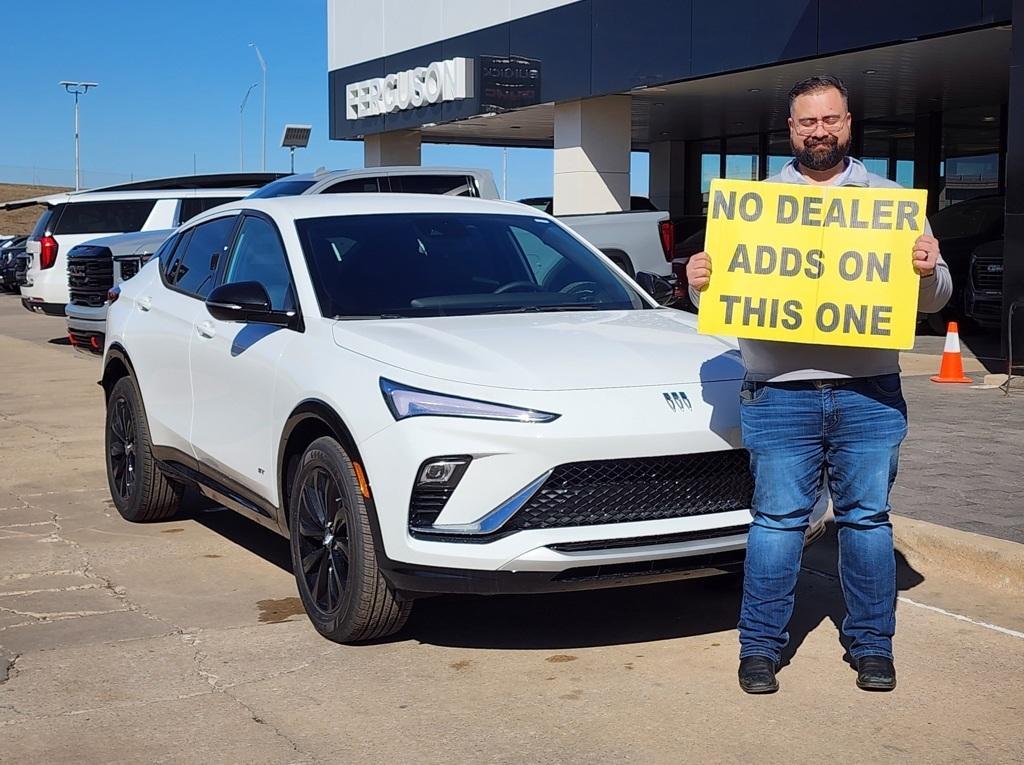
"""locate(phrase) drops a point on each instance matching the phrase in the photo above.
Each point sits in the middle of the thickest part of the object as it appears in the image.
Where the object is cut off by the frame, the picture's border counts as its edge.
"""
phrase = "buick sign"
(677, 401)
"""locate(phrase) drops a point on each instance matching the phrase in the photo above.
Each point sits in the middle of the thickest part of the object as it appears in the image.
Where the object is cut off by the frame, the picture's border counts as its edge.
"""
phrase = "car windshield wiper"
(548, 308)
(364, 317)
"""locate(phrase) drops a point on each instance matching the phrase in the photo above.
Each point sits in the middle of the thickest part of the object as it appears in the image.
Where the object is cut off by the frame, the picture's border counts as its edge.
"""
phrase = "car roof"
(326, 205)
(72, 197)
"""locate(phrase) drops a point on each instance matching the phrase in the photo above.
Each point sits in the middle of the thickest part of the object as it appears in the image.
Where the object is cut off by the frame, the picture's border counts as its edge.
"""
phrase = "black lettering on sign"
(812, 211)
(906, 212)
(881, 315)
(883, 211)
(751, 312)
(789, 261)
(751, 206)
(851, 265)
(793, 318)
(740, 259)
(827, 317)
(765, 260)
(789, 209)
(730, 302)
(722, 207)
(878, 266)
(836, 215)
(855, 221)
(855, 318)
(815, 268)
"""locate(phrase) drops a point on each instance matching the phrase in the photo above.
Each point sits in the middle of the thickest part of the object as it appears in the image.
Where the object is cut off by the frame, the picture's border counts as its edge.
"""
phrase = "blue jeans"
(851, 429)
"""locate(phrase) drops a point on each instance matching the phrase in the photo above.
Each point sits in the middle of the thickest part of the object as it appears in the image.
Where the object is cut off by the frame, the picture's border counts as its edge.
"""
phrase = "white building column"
(399, 147)
(592, 144)
(667, 176)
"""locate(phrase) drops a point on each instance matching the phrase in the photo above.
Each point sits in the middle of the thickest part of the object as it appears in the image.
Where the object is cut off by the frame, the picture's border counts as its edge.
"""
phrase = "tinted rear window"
(281, 189)
(49, 214)
(190, 208)
(460, 185)
(104, 217)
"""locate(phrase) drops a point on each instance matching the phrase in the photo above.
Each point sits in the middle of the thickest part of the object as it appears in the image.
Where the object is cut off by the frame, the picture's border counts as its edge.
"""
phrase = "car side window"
(259, 256)
(354, 186)
(193, 269)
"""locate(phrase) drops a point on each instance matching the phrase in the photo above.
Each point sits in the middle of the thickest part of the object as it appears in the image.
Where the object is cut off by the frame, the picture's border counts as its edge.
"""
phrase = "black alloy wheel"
(323, 539)
(121, 448)
(342, 589)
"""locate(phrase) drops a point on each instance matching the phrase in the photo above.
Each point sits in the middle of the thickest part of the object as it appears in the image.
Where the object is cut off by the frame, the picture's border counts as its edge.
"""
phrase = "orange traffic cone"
(952, 368)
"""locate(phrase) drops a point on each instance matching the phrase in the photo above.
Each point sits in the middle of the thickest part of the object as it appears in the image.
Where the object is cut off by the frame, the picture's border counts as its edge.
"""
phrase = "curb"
(994, 563)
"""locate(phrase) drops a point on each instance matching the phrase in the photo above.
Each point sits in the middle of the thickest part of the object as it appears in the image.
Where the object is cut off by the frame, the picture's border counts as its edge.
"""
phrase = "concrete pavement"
(184, 641)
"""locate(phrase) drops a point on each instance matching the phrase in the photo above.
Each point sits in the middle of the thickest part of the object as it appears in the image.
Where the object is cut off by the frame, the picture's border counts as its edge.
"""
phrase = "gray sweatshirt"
(775, 361)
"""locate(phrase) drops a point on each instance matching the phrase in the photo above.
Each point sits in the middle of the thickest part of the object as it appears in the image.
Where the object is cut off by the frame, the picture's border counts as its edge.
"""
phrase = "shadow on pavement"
(59, 341)
(593, 618)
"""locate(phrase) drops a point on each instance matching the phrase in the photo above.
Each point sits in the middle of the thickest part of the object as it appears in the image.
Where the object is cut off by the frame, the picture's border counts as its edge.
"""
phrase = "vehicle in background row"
(546, 204)
(403, 179)
(983, 295)
(93, 269)
(425, 394)
(636, 242)
(71, 218)
(9, 252)
(640, 240)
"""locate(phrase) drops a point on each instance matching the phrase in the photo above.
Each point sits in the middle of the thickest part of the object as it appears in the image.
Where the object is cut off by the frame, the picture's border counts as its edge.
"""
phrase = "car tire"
(140, 491)
(333, 556)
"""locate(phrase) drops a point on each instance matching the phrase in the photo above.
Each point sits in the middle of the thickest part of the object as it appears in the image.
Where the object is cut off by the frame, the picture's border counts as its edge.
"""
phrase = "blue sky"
(172, 76)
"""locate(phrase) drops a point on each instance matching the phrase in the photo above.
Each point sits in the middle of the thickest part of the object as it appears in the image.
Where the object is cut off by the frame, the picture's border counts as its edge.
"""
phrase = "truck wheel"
(335, 564)
(139, 490)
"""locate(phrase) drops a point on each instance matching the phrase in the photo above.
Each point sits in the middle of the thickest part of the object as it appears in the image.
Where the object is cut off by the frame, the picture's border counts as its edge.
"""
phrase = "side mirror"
(663, 290)
(246, 302)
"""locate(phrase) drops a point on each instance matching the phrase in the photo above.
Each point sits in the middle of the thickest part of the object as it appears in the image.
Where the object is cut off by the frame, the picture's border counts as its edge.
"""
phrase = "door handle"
(206, 329)
(144, 303)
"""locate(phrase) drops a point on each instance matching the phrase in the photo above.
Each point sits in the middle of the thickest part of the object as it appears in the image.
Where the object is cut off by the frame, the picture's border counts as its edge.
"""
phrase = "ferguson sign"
(448, 80)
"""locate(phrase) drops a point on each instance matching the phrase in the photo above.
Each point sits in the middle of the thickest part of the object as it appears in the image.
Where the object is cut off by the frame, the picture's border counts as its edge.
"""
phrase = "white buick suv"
(426, 394)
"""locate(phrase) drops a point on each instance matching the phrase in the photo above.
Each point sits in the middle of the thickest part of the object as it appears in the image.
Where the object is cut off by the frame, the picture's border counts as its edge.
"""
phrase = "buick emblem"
(677, 401)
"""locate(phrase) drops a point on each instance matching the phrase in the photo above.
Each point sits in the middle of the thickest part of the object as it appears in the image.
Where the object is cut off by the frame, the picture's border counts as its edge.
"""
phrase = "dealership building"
(936, 92)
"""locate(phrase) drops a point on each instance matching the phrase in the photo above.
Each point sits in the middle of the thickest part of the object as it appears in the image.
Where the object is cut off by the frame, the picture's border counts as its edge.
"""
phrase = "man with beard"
(809, 408)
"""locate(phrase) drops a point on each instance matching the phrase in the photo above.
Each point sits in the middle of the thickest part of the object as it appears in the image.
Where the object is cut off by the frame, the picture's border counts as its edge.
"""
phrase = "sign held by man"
(822, 265)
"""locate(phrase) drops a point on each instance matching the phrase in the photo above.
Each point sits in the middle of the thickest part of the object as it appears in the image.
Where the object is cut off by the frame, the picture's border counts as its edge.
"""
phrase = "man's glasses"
(833, 123)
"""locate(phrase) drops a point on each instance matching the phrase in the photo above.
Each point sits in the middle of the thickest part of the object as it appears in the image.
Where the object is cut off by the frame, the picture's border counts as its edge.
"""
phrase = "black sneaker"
(757, 675)
(876, 673)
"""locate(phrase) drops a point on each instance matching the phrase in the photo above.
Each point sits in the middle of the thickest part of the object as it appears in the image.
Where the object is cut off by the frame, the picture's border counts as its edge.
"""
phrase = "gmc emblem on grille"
(677, 401)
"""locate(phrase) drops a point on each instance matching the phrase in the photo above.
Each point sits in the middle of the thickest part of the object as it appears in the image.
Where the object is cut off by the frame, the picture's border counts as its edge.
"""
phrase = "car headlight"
(404, 401)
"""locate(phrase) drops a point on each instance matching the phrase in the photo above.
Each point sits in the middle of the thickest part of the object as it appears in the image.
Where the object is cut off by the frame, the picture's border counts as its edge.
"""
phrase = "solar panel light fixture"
(295, 137)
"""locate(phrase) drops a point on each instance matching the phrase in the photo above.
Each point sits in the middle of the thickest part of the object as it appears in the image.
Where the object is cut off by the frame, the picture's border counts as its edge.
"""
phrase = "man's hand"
(698, 270)
(926, 255)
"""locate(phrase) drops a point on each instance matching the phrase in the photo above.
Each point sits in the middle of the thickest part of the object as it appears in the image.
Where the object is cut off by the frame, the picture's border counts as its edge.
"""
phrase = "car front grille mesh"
(89, 279)
(642, 489)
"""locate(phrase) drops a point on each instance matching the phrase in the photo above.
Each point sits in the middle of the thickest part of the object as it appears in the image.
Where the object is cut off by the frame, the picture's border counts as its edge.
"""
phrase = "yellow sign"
(812, 264)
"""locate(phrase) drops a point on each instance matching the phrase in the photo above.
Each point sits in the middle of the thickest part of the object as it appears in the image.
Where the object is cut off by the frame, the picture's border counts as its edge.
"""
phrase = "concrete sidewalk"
(184, 642)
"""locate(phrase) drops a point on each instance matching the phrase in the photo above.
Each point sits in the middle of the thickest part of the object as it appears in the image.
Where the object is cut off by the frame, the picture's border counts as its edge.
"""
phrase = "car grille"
(21, 270)
(129, 268)
(987, 272)
(644, 489)
(89, 279)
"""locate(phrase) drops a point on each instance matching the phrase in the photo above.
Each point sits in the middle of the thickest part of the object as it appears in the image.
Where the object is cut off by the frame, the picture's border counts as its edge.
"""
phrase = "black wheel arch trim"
(316, 409)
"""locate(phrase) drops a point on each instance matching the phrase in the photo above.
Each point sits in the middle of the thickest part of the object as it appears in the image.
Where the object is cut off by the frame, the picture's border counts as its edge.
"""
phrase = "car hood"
(551, 351)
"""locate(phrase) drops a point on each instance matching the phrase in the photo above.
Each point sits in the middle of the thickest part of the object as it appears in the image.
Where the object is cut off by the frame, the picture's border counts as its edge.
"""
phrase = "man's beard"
(822, 153)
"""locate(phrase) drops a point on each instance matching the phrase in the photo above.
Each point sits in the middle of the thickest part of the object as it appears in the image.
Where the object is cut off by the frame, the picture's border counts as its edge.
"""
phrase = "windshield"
(429, 264)
(281, 188)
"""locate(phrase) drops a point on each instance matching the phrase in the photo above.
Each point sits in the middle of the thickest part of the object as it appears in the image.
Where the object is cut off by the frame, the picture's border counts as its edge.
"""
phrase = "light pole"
(241, 129)
(77, 89)
(263, 66)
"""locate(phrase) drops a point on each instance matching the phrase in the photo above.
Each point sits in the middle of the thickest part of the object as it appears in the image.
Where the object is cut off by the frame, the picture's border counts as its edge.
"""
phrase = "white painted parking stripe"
(961, 617)
(936, 609)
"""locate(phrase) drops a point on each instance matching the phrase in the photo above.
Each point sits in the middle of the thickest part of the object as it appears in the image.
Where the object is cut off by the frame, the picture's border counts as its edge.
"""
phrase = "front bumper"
(596, 425)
